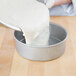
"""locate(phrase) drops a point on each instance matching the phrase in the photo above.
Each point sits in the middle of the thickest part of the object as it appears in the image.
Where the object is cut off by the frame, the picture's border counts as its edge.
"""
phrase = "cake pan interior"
(57, 34)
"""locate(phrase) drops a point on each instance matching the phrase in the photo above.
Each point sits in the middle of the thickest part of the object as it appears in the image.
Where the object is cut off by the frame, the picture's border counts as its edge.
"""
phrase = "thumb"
(49, 3)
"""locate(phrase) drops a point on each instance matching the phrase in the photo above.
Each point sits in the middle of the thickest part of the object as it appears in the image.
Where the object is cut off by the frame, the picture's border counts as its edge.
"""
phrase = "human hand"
(51, 3)
(48, 3)
(61, 2)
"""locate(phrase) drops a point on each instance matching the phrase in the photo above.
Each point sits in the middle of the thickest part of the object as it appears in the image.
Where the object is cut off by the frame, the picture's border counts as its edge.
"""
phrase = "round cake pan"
(56, 47)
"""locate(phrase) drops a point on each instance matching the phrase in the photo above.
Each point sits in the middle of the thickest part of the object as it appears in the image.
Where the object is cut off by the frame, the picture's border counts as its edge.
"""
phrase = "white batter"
(32, 17)
(29, 15)
(37, 19)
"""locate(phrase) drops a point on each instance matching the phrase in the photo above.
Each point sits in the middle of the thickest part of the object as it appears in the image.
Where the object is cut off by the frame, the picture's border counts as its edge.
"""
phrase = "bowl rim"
(41, 46)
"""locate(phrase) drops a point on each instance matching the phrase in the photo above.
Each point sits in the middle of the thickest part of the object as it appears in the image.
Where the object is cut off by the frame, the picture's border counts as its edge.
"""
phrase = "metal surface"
(10, 26)
(55, 49)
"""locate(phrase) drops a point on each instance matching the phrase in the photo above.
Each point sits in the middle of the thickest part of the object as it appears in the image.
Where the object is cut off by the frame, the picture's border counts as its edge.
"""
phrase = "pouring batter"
(29, 15)
(32, 20)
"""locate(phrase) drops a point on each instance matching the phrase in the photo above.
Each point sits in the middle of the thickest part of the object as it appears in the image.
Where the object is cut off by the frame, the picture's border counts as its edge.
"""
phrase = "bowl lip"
(32, 46)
